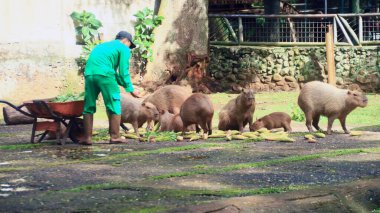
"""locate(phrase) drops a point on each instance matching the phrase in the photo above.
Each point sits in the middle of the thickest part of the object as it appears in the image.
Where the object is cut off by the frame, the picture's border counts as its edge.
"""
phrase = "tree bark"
(14, 117)
(183, 30)
(273, 7)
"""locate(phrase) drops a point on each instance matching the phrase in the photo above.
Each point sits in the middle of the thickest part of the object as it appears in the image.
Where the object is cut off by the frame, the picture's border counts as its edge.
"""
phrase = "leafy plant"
(144, 36)
(296, 113)
(69, 97)
(86, 50)
(86, 25)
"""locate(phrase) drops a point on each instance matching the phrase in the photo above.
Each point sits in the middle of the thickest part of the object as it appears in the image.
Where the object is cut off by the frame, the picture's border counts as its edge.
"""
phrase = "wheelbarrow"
(54, 114)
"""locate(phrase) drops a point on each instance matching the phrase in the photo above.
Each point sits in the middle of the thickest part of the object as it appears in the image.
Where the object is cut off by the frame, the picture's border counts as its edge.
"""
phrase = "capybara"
(198, 110)
(273, 121)
(318, 98)
(171, 122)
(169, 98)
(238, 111)
(135, 112)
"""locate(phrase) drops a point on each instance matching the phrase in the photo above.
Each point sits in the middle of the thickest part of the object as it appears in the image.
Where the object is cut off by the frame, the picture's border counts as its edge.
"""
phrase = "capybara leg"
(329, 124)
(135, 125)
(197, 129)
(287, 128)
(309, 119)
(343, 123)
(204, 127)
(184, 129)
(209, 126)
(125, 128)
(316, 121)
(241, 127)
(149, 126)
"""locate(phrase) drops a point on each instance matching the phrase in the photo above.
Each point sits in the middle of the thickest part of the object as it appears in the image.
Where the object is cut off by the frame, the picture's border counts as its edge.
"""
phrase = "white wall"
(37, 41)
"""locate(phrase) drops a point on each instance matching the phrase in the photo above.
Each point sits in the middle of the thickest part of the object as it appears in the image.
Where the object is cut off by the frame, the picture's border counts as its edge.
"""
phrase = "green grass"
(158, 194)
(173, 193)
(284, 160)
(24, 146)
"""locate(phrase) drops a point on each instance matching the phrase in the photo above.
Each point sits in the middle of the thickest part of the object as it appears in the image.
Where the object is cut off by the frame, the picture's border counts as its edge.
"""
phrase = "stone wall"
(288, 68)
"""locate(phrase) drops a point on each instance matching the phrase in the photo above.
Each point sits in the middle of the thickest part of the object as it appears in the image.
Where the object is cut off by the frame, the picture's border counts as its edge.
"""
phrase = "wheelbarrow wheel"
(77, 130)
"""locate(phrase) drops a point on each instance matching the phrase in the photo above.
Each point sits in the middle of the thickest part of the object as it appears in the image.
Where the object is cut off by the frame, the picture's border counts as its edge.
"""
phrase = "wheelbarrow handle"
(18, 108)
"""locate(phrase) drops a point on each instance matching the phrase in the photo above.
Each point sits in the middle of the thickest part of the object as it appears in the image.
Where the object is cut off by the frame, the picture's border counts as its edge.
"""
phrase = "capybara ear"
(162, 112)
(349, 92)
(143, 104)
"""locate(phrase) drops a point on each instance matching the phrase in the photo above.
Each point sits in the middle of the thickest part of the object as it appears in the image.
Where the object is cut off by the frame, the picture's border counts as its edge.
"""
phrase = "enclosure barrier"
(294, 29)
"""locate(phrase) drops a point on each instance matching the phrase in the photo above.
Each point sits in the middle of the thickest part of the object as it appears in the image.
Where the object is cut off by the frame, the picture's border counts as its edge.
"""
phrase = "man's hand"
(136, 94)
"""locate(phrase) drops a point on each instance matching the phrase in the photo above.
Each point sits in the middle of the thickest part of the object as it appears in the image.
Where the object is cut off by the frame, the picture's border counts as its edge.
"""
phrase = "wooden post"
(330, 56)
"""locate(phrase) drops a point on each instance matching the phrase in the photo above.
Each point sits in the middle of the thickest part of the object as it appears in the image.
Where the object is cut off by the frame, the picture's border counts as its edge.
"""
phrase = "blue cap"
(127, 35)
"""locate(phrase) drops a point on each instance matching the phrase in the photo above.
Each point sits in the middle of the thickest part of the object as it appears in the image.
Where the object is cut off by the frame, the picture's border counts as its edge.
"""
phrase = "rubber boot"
(115, 129)
(88, 120)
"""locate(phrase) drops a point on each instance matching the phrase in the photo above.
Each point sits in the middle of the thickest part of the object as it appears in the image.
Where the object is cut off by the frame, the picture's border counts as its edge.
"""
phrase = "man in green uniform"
(106, 68)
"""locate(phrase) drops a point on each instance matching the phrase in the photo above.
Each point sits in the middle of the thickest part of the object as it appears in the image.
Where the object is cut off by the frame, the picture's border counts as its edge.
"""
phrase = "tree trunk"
(14, 117)
(183, 30)
(273, 7)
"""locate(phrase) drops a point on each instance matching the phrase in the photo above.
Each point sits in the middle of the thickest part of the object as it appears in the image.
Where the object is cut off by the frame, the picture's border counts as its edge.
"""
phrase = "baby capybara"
(273, 121)
(171, 122)
(238, 112)
(169, 98)
(198, 110)
(318, 98)
(135, 112)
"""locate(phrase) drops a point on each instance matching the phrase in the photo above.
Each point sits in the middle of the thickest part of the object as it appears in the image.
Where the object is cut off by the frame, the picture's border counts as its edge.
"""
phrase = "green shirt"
(106, 58)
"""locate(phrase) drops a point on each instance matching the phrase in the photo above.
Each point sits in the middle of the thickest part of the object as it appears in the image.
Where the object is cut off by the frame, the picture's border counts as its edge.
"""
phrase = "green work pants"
(107, 85)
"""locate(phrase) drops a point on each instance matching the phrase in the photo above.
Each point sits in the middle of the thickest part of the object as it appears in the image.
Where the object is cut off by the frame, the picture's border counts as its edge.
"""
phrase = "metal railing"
(244, 29)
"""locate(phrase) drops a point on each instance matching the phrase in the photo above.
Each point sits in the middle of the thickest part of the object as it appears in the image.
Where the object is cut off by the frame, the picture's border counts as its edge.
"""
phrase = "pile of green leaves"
(68, 97)
(144, 37)
(162, 136)
(296, 113)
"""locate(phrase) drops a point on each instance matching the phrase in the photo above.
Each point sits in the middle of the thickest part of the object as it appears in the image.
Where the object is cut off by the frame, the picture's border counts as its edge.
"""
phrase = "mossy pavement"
(175, 176)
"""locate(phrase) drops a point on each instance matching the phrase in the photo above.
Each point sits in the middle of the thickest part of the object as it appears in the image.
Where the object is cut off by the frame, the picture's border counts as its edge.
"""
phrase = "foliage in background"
(144, 37)
(296, 113)
(86, 27)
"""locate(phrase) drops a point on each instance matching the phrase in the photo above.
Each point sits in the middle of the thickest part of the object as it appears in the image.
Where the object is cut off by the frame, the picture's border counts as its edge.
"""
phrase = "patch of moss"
(121, 156)
(181, 193)
(24, 146)
(146, 209)
(6, 135)
(240, 166)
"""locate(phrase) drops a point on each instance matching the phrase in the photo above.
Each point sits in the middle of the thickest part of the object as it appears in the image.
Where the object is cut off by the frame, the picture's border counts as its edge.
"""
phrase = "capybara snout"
(357, 98)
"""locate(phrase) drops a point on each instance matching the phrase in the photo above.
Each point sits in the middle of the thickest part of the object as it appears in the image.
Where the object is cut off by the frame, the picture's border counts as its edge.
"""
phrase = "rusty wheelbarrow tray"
(66, 113)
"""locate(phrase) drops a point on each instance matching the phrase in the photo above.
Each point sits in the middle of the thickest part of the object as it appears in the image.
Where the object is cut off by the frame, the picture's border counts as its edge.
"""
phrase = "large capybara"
(198, 110)
(169, 98)
(318, 98)
(171, 122)
(135, 112)
(238, 112)
(273, 121)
